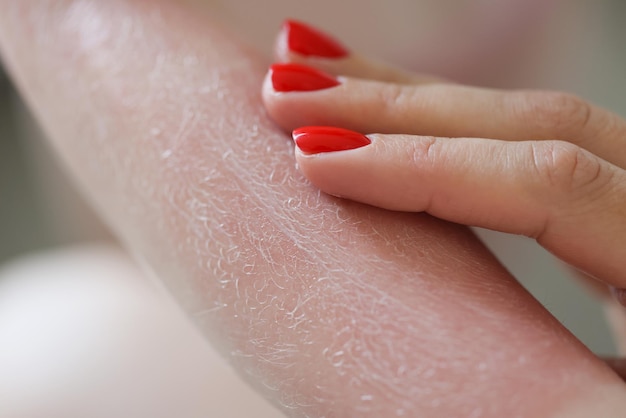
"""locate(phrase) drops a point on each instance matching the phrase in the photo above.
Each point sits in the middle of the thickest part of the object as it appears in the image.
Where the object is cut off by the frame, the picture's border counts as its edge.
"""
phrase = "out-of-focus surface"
(580, 51)
(39, 207)
(22, 224)
(84, 334)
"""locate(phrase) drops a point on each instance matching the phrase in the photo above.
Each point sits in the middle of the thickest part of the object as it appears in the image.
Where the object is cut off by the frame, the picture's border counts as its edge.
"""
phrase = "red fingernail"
(308, 41)
(298, 77)
(317, 139)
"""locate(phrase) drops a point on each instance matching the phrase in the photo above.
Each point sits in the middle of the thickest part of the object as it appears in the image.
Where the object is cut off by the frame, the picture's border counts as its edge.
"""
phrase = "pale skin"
(327, 307)
(553, 162)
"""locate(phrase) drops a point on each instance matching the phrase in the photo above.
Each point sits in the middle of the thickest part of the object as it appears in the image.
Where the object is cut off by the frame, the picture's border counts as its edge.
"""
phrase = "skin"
(552, 164)
(327, 307)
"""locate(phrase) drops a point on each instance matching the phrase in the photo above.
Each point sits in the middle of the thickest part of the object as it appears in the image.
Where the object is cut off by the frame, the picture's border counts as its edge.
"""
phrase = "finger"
(450, 111)
(301, 43)
(571, 201)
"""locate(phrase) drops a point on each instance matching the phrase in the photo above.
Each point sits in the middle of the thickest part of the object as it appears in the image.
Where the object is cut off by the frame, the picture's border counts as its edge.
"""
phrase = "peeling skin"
(328, 307)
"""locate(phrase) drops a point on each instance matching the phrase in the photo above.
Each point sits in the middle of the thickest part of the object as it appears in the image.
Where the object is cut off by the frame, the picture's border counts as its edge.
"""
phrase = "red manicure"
(317, 139)
(298, 77)
(308, 41)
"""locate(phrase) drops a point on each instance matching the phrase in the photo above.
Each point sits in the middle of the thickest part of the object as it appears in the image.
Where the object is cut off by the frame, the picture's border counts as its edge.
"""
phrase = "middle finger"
(445, 110)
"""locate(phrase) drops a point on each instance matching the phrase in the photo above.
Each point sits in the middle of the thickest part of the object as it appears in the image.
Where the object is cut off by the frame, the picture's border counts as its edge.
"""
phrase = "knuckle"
(420, 153)
(567, 168)
(394, 96)
(560, 114)
(421, 157)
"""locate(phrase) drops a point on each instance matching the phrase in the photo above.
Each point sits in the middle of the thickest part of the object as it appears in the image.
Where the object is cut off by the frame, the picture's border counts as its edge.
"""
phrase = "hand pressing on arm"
(542, 164)
(329, 308)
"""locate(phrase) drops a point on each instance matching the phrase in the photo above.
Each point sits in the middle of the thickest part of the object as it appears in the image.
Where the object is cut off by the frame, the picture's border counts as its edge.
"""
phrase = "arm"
(325, 306)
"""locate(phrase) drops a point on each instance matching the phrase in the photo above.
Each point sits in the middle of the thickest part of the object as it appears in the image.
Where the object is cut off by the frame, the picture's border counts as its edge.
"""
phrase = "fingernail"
(318, 139)
(308, 41)
(298, 77)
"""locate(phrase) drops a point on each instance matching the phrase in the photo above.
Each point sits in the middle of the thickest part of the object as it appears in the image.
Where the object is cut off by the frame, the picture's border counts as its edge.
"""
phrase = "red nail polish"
(317, 139)
(298, 77)
(308, 41)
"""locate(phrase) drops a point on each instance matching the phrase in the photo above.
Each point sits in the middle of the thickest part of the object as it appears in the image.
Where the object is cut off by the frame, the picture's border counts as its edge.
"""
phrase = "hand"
(542, 164)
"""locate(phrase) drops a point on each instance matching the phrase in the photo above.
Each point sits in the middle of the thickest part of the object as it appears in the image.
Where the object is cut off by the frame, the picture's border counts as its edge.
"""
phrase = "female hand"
(543, 164)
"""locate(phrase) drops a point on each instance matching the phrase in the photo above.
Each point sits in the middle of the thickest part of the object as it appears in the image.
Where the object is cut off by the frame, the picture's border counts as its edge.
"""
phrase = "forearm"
(330, 305)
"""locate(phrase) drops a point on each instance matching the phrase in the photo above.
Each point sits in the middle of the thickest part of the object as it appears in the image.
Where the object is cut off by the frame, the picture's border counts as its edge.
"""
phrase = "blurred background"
(577, 46)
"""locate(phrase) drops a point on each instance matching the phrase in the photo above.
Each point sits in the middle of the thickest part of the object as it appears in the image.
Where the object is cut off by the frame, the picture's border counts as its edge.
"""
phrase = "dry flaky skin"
(330, 308)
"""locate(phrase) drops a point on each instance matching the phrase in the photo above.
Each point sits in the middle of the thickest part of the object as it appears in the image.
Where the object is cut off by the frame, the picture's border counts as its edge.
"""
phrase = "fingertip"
(325, 139)
(294, 77)
(268, 94)
(335, 160)
(278, 107)
(296, 37)
(281, 45)
(267, 89)
(295, 95)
